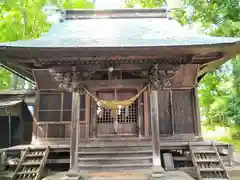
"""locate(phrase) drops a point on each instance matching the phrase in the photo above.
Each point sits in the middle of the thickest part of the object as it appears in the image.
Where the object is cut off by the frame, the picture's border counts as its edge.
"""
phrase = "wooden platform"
(59, 146)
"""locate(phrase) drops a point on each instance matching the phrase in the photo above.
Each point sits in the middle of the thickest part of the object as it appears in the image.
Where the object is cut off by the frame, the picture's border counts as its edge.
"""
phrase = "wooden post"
(171, 111)
(21, 122)
(94, 117)
(146, 114)
(156, 156)
(197, 111)
(3, 158)
(231, 154)
(9, 130)
(140, 116)
(74, 131)
(87, 115)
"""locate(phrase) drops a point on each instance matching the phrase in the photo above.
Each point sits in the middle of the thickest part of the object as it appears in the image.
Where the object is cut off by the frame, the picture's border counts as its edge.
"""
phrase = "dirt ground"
(174, 175)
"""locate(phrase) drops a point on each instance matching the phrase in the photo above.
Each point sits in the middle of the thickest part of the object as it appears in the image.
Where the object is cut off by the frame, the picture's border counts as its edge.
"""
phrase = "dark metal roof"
(129, 31)
(9, 103)
(20, 72)
(122, 32)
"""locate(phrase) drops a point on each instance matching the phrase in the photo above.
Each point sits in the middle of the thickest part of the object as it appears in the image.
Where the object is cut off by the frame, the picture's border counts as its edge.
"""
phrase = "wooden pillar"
(156, 156)
(74, 131)
(171, 111)
(94, 117)
(140, 116)
(197, 113)
(87, 115)
(146, 114)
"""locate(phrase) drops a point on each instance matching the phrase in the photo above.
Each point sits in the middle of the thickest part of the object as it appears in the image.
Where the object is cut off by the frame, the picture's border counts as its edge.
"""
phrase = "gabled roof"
(124, 32)
(85, 29)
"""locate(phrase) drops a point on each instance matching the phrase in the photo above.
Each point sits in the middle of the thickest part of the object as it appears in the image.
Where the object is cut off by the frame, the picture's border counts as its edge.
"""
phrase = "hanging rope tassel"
(115, 104)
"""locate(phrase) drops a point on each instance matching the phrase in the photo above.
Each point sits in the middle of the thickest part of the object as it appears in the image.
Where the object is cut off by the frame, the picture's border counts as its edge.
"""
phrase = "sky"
(108, 4)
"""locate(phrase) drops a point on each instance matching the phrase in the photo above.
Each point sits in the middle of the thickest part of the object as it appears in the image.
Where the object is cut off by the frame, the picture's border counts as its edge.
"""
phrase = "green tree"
(144, 3)
(5, 79)
(25, 19)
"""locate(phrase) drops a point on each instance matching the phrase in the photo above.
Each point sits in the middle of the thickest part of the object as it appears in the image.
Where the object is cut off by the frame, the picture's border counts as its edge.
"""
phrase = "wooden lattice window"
(58, 106)
(127, 115)
(50, 107)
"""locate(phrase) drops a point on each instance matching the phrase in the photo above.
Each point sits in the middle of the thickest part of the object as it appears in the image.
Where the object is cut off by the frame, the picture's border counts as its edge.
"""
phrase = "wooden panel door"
(125, 123)
(105, 121)
(127, 119)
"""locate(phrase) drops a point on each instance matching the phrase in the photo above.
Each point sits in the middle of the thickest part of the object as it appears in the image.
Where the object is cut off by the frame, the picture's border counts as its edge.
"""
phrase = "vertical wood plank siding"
(183, 108)
(183, 112)
(164, 113)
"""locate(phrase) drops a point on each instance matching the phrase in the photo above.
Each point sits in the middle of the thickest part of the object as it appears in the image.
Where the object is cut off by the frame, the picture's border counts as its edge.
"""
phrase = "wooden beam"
(117, 84)
(74, 131)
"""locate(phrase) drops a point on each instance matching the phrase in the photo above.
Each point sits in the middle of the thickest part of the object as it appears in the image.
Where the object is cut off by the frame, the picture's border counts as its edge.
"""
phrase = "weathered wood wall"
(178, 113)
(53, 115)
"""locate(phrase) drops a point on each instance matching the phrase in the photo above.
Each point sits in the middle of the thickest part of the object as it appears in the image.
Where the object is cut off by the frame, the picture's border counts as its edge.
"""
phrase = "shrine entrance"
(121, 122)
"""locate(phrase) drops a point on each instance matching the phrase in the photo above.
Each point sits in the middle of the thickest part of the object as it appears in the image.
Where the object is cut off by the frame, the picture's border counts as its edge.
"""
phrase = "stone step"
(112, 156)
(113, 167)
(115, 148)
(115, 158)
(118, 178)
(133, 175)
(109, 162)
(113, 152)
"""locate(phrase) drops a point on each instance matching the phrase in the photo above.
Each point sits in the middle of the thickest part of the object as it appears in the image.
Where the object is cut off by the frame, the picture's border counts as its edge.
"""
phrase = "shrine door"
(118, 123)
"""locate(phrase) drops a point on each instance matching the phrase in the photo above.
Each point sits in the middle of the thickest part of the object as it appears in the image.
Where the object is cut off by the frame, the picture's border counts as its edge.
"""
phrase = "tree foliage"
(144, 3)
(25, 19)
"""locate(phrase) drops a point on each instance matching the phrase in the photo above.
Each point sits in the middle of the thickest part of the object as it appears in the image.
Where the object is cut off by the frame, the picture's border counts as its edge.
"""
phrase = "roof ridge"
(115, 13)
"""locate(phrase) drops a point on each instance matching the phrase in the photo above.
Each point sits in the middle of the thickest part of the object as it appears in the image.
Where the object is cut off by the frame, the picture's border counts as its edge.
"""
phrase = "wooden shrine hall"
(117, 91)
